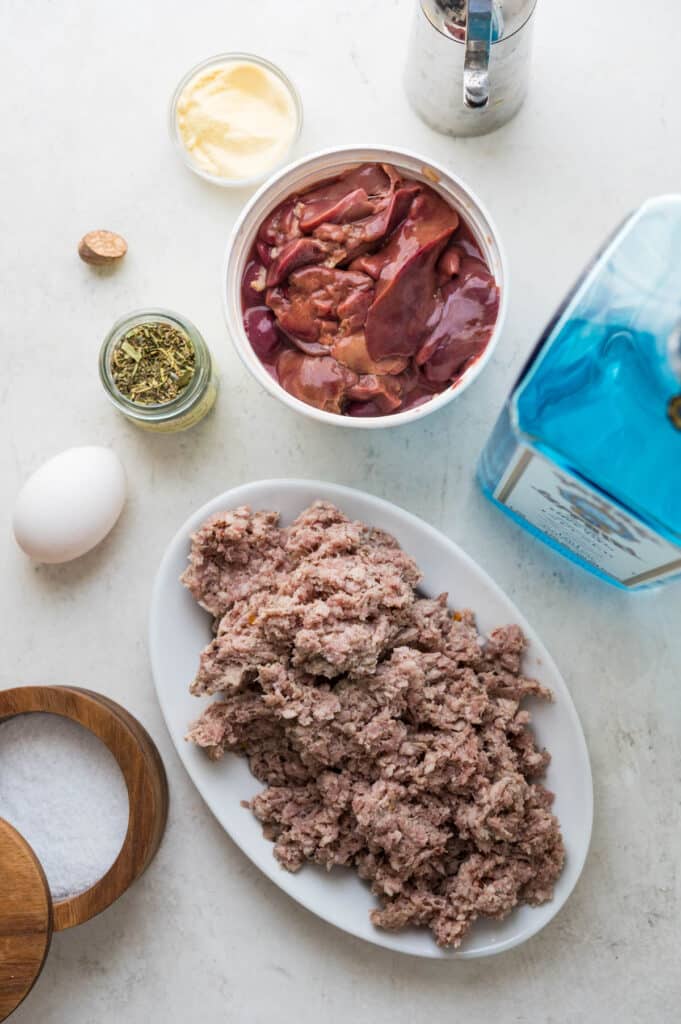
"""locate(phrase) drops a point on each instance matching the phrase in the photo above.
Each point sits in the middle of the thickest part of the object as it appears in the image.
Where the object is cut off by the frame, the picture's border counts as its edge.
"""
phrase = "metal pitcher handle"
(476, 59)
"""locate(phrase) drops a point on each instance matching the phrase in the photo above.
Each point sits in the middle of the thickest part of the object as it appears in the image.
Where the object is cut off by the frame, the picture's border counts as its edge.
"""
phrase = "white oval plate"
(179, 629)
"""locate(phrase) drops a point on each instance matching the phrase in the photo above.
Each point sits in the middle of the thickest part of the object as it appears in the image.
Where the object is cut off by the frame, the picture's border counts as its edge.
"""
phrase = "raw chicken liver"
(367, 294)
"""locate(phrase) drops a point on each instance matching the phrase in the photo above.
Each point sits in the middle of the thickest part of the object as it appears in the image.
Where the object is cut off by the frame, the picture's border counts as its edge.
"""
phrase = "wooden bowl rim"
(142, 768)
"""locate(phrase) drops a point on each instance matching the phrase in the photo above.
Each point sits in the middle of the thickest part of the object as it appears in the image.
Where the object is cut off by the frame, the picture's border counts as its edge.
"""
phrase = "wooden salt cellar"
(27, 914)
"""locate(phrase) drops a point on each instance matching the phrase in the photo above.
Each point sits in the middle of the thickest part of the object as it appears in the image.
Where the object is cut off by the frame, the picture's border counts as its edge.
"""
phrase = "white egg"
(69, 504)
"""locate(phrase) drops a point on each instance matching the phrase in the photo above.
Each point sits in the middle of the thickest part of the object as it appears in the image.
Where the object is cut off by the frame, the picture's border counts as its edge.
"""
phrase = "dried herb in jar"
(153, 363)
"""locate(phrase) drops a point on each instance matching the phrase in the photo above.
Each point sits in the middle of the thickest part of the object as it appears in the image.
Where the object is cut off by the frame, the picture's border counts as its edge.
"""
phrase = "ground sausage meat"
(389, 734)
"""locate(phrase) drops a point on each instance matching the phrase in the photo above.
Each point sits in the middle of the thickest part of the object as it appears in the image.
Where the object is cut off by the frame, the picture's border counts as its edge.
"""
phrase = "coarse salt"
(62, 789)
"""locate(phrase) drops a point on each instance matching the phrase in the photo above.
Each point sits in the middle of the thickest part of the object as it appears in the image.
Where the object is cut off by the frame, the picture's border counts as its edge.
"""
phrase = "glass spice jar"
(189, 406)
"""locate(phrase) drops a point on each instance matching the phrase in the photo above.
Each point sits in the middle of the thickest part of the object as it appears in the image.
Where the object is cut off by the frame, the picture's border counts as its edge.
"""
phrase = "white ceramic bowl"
(179, 629)
(307, 172)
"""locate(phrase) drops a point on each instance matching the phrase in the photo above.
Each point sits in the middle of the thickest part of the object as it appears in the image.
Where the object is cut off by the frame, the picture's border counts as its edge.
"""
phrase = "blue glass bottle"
(587, 451)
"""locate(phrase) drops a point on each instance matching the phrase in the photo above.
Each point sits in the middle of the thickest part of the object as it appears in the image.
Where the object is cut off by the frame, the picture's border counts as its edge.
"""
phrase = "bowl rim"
(257, 369)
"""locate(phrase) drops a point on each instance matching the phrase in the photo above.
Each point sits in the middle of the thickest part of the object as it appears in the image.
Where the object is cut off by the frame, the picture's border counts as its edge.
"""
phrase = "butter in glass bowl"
(235, 117)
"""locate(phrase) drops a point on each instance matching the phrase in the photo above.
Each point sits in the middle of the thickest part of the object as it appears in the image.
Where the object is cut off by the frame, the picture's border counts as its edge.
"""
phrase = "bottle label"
(579, 517)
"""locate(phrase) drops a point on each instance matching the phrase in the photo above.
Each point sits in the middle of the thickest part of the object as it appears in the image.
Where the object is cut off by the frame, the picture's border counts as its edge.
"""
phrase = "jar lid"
(25, 919)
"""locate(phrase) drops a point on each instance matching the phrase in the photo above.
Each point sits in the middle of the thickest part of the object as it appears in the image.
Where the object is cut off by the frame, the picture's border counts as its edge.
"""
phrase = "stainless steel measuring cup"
(468, 63)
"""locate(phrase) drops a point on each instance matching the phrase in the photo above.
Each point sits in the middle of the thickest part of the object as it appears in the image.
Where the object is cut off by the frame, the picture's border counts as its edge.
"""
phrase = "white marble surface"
(84, 91)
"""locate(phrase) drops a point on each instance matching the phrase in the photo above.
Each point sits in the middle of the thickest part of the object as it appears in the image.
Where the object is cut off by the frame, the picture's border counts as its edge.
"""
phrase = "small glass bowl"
(191, 405)
(224, 58)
